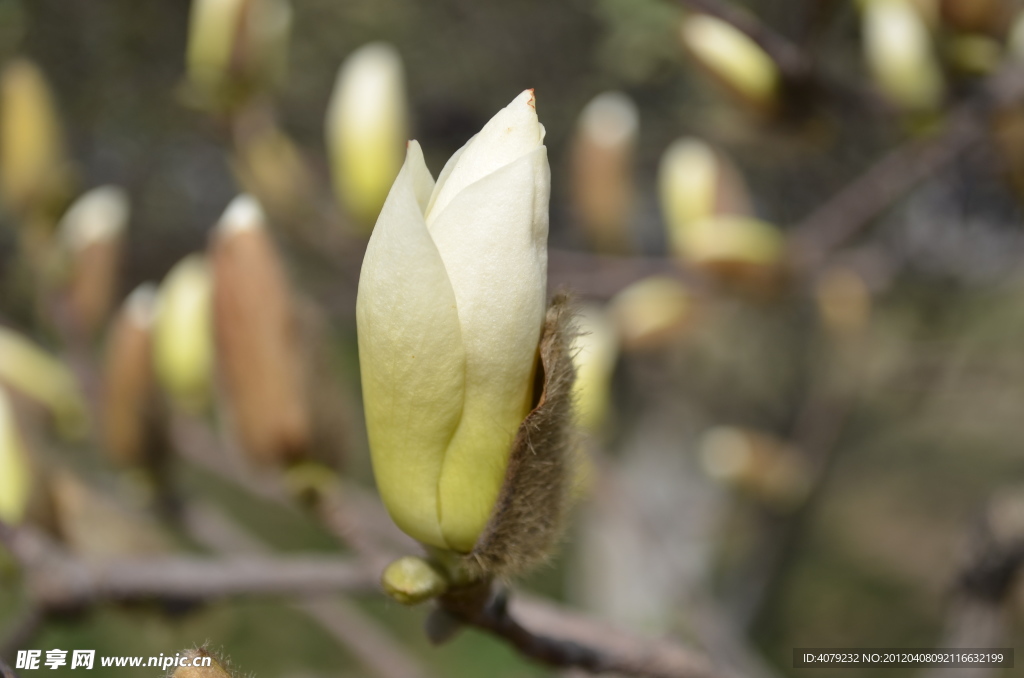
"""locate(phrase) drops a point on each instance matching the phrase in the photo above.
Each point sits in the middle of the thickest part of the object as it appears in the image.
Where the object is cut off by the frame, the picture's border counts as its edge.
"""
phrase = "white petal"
(422, 181)
(97, 215)
(366, 126)
(512, 133)
(411, 355)
(493, 240)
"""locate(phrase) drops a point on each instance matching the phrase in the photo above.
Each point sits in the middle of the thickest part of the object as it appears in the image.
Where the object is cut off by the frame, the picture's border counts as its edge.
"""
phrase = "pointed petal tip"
(242, 214)
(526, 98)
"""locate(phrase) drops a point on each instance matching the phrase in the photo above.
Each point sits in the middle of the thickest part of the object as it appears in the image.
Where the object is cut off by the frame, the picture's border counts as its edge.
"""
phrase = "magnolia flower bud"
(129, 385)
(236, 45)
(602, 170)
(258, 349)
(183, 338)
(596, 351)
(732, 59)
(450, 310)
(757, 464)
(900, 54)
(92, 233)
(32, 162)
(411, 580)
(974, 54)
(15, 474)
(1015, 37)
(96, 526)
(366, 129)
(705, 205)
(729, 244)
(32, 371)
(695, 181)
(651, 312)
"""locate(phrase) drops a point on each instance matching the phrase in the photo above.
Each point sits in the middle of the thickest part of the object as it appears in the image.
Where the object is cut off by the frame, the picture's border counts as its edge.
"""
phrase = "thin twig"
(57, 579)
(844, 215)
(6, 671)
(178, 577)
(618, 651)
(976, 618)
(354, 630)
(829, 402)
(352, 514)
(559, 638)
(602, 276)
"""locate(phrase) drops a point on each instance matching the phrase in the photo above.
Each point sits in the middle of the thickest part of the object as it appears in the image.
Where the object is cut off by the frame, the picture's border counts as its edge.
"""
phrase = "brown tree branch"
(57, 579)
(352, 514)
(360, 635)
(6, 671)
(977, 617)
(845, 214)
(602, 276)
(556, 637)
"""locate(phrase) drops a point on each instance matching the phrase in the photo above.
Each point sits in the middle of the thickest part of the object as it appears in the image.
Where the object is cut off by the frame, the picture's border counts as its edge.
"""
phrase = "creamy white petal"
(446, 172)
(411, 356)
(97, 215)
(513, 132)
(366, 125)
(493, 240)
(422, 181)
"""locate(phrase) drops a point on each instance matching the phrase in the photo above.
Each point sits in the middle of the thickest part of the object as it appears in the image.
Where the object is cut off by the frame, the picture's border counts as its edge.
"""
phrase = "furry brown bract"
(530, 513)
(214, 670)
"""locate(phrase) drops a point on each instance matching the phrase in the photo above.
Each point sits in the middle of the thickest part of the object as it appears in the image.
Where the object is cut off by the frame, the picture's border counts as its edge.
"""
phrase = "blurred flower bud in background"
(696, 181)
(130, 397)
(92, 234)
(736, 248)
(899, 52)
(237, 47)
(30, 370)
(259, 352)
(974, 54)
(96, 525)
(602, 171)
(756, 464)
(975, 16)
(733, 60)
(596, 352)
(183, 339)
(1015, 36)
(366, 129)
(34, 170)
(651, 312)
(15, 473)
(707, 214)
(450, 310)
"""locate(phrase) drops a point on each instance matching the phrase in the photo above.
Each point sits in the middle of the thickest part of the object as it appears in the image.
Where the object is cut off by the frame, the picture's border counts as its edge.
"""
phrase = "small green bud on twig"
(411, 580)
